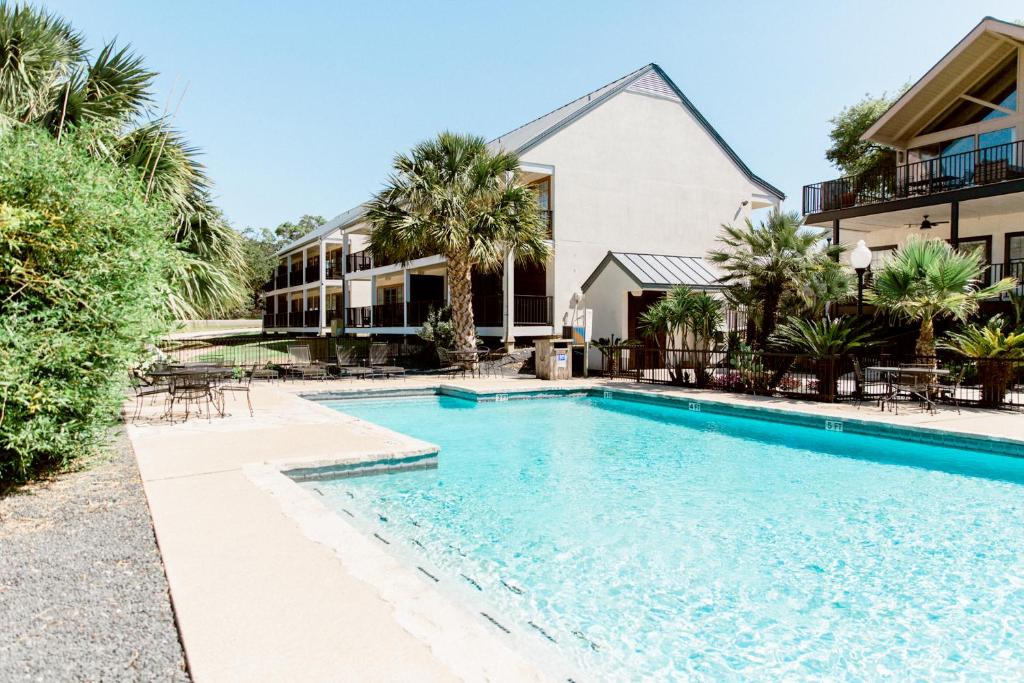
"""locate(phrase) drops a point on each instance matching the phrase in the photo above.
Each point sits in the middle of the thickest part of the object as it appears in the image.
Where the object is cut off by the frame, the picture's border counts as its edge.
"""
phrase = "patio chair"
(265, 372)
(379, 362)
(872, 388)
(143, 388)
(449, 366)
(301, 365)
(348, 363)
(494, 362)
(193, 389)
(241, 387)
(913, 381)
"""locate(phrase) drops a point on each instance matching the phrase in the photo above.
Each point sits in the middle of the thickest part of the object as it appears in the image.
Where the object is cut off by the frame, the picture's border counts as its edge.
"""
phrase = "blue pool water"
(644, 541)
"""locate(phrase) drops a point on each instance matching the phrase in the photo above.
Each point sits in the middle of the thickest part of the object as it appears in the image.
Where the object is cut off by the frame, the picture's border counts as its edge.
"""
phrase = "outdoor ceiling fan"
(927, 224)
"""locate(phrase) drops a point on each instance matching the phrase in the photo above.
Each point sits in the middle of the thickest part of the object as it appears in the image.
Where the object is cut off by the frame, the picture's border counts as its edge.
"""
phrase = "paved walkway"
(82, 590)
(267, 584)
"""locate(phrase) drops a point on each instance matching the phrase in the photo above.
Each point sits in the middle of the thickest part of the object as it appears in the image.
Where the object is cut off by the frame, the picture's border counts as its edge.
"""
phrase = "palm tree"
(926, 279)
(823, 340)
(47, 79)
(772, 259)
(689, 321)
(453, 196)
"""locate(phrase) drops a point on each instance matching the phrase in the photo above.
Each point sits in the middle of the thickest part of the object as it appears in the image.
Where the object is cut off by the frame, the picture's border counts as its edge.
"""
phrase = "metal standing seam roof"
(662, 271)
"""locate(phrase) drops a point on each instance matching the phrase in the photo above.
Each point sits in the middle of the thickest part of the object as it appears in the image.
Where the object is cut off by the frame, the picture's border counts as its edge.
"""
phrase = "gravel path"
(82, 589)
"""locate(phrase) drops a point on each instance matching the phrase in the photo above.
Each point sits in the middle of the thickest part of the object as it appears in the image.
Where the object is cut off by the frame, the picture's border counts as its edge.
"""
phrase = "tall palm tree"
(453, 196)
(771, 259)
(926, 279)
(48, 79)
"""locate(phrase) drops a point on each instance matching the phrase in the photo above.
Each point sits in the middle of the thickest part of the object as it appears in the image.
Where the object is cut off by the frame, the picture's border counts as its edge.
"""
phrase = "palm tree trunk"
(460, 272)
(925, 347)
(769, 312)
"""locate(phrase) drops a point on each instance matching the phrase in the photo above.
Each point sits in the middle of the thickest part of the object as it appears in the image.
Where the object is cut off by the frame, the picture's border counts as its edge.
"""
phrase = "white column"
(323, 284)
(405, 297)
(509, 288)
(305, 297)
(373, 296)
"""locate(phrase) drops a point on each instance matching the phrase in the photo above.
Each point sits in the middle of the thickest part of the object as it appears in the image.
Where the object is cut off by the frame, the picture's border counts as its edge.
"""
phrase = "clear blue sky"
(300, 106)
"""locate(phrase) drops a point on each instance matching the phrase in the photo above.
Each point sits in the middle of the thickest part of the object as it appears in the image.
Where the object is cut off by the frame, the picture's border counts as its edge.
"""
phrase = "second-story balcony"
(983, 166)
(333, 270)
(295, 276)
(281, 277)
(358, 261)
(313, 273)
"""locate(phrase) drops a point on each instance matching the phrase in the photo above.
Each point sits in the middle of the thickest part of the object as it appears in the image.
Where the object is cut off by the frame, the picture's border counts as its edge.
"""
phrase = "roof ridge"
(636, 72)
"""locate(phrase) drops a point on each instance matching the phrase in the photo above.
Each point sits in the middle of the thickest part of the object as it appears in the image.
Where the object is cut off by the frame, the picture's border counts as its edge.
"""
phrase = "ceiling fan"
(927, 224)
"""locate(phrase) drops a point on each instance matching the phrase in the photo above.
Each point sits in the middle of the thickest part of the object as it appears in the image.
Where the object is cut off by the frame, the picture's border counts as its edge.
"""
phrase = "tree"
(823, 340)
(773, 259)
(689, 321)
(288, 231)
(48, 80)
(847, 151)
(453, 196)
(926, 279)
(85, 258)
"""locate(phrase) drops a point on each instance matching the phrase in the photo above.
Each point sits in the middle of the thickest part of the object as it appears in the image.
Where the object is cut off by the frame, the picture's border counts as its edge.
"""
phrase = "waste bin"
(553, 358)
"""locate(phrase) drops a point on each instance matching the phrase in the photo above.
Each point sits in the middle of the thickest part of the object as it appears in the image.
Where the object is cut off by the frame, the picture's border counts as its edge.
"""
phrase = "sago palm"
(995, 350)
(453, 196)
(925, 280)
(772, 259)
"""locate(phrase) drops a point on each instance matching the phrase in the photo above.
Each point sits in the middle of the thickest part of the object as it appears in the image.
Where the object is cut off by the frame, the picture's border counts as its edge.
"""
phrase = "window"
(1015, 248)
(980, 245)
(879, 255)
(1009, 102)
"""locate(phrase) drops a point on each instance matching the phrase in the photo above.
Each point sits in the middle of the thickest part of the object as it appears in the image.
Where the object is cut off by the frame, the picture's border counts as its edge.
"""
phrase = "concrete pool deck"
(265, 587)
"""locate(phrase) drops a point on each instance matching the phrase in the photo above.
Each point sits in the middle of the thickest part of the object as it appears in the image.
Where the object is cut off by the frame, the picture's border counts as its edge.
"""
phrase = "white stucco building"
(630, 168)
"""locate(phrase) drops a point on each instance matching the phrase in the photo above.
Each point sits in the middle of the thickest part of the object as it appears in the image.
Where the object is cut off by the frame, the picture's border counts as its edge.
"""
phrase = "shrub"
(85, 261)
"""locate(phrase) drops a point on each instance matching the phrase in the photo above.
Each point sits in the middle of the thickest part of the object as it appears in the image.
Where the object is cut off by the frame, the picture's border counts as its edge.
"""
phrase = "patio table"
(469, 359)
(891, 371)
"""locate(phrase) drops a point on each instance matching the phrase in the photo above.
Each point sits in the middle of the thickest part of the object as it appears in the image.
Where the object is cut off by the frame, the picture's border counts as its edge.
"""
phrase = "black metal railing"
(333, 270)
(268, 320)
(358, 261)
(295, 276)
(488, 310)
(389, 315)
(951, 172)
(312, 317)
(417, 311)
(997, 271)
(296, 318)
(268, 286)
(531, 310)
(357, 316)
(313, 272)
(281, 319)
(281, 278)
(987, 382)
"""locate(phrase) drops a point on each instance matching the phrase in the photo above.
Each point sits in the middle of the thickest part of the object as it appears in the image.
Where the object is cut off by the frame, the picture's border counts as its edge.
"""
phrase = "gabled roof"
(342, 220)
(661, 271)
(962, 68)
(647, 80)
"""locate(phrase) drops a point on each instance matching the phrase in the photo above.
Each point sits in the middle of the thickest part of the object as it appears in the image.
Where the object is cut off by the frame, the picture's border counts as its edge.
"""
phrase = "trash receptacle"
(553, 358)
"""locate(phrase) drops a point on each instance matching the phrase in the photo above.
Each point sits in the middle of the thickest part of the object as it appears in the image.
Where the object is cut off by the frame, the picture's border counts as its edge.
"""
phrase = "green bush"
(85, 261)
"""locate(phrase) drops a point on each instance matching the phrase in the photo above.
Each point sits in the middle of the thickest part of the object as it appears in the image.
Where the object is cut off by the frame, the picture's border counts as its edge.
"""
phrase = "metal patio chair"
(348, 364)
(301, 365)
(379, 362)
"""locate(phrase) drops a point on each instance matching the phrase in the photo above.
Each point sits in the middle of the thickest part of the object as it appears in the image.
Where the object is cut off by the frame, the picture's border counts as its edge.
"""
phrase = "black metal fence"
(250, 350)
(961, 381)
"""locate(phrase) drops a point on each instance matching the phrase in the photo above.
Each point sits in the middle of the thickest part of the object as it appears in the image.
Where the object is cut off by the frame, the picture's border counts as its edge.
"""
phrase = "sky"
(300, 107)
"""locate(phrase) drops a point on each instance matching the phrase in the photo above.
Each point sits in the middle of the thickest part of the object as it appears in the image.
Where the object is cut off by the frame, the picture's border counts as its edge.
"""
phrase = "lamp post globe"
(860, 259)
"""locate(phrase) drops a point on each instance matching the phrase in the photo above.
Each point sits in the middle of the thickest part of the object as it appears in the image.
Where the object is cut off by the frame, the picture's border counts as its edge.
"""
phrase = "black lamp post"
(860, 259)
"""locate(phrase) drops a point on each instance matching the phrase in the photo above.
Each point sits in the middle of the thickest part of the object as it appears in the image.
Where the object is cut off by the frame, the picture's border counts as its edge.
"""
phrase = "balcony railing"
(388, 315)
(312, 317)
(268, 286)
(295, 277)
(531, 310)
(281, 319)
(295, 319)
(333, 270)
(313, 273)
(358, 261)
(268, 320)
(419, 310)
(358, 316)
(488, 310)
(997, 271)
(982, 166)
(281, 278)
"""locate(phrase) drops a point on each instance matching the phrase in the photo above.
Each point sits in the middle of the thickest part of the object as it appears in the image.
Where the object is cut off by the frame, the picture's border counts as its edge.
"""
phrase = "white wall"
(638, 173)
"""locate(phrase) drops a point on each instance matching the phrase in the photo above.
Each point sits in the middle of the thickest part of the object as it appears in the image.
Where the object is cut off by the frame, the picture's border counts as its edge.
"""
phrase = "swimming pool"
(637, 540)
